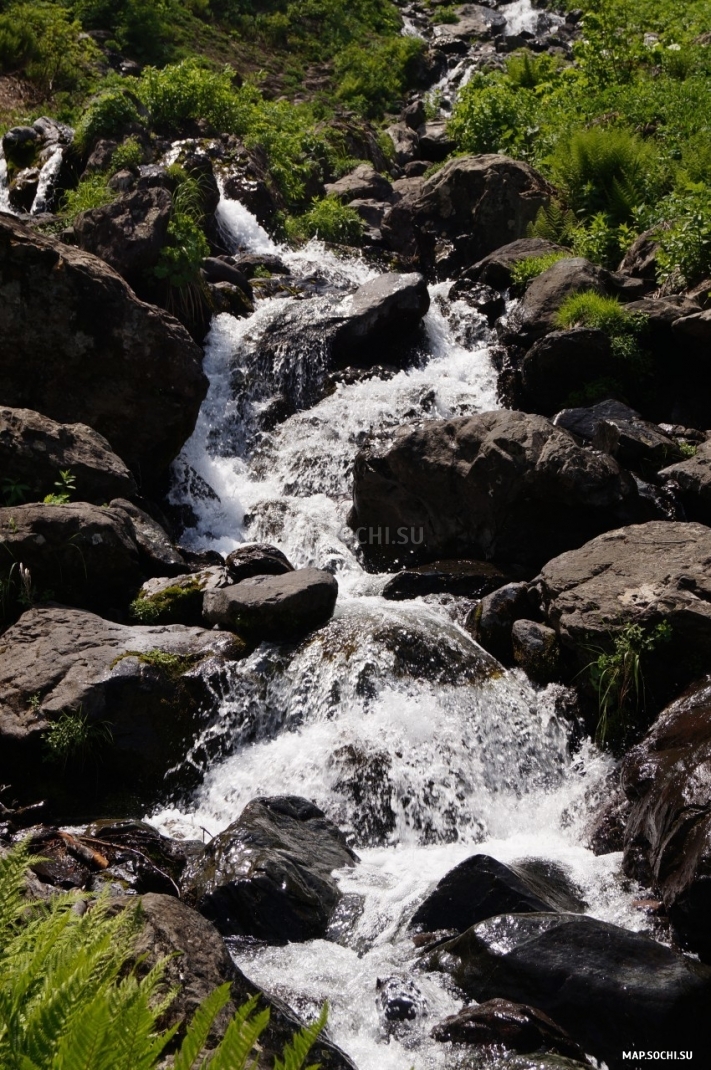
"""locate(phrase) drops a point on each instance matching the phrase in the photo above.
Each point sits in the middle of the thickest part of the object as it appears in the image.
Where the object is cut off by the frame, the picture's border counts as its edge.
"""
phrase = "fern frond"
(241, 1035)
(297, 1050)
(200, 1026)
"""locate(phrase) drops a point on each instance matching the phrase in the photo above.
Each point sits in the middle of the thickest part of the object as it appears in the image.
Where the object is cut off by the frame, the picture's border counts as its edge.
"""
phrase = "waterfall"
(390, 718)
(4, 190)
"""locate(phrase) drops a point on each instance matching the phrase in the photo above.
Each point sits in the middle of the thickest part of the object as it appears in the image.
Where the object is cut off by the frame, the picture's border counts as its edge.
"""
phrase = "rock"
(399, 999)
(377, 314)
(535, 650)
(76, 553)
(501, 485)
(415, 114)
(472, 579)
(372, 214)
(226, 297)
(150, 687)
(23, 189)
(362, 183)
(19, 141)
(644, 574)
(35, 449)
(177, 599)
(492, 620)
(512, 1025)
(696, 326)
(249, 181)
(274, 608)
(158, 555)
(667, 841)
(219, 270)
(535, 315)
(269, 875)
(101, 156)
(693, 478)
(475, 21)
(611, 989)
(496, 268)
(250, 262)
(256, 559)
(122, 182)
(640, 260)
(563, 363)
(405, 142)
(197, 963)
(635, 442)
(472, 206)
(481, 887)
(128, 370)
(487, 301)
(129, 233)
(435, 143)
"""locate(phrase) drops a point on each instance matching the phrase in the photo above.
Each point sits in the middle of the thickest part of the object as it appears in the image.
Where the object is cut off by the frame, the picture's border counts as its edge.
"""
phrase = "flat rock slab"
(274, 608)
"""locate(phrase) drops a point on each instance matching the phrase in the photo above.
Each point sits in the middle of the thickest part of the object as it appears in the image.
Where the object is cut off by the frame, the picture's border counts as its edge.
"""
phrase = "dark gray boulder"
(269, 874)
(129, 233)
(435, 142)
(611, 989)
(362, 183)
(379, 313)
(158, 555)
(178, 599)
(501, 485)
(128, 370)
(492, 620)
(481, 887)
(693, 479)
(35, 449)
(274, 608)
(536, 650)
(471, 579)
(562, 364)
(405, 142)
(621, 431)
(496, 268)
(511, 1025)
(256, 559)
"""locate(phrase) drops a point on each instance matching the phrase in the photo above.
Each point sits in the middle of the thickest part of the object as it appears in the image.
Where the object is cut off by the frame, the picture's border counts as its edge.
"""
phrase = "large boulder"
(496, 269)
(269, 874)
(76, 553)
(482, 887)
(129, 233)
(127, 369)
(511, 1025)
(473, 205)
(256, 559)
(379, 313)
(473, 21)
(471, 579)
(138, 695)
(274, 608)
(645, 575)
(196, 962)
(611, 989)
(562, 364)
(693, 478)
(177, 599)
(502, 485)
(667, 839)
(362, 183)
(157, 554)
(35, 449)
(610, 425)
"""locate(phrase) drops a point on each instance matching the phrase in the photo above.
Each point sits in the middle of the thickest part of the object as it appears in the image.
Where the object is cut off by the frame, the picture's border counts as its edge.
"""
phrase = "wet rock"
(635, 442)
(492, 620)
(198, 962)
(158, 556)
(513, 1025)
(415, 114)
(667, 841)
(611, 989)
(501, 485)
(76, 553)
(563, 363)
(399, 999)
(475, 21)
(363, 183)
(139, 856)
(536, 650)
(405, 142)
(129, 233)
(472, 579)
(143, 694)
(496, 268)
(256, 559)
(378, 313)
(607, 831)
(23, 189)
(226, 297)
(216, 269)
(487, 301)
(481, 887)
(693, 478)
(19, 142)
(250, 182)
(127, 369)
(251, 262)
(269, 874)
(644, 574)
(274, 608)
(35, 449)
(535, 315)
(178, 599)
(435, 143)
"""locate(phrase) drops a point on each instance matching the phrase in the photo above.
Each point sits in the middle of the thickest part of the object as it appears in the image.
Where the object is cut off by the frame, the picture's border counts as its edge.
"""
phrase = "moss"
(173, 665)
(172, 605)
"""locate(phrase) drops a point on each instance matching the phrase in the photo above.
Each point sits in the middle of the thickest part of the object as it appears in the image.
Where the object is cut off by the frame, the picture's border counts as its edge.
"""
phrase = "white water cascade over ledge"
(422, 759)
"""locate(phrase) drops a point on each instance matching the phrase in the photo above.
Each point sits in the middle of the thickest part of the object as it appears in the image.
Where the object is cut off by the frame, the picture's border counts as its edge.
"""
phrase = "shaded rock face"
(129, 233)
(642, 574)
(128, 370)
(35, 449)
(257, 559)
(378, 313)
(667, 840)
(481, 887)
(491, 622)
(693, 478)
(198, 963)
(152, 688)
(474, 205)
(517, 1027)
(619, 430)
(250, 183)
(562, 363)
(362, 183)
(502, 485)
(78, 553)
(269, 874)
(611, 989)
(471, 579)
(496, 268)
(157, 554)
(178, 599)
(274, 607)
(535, 650)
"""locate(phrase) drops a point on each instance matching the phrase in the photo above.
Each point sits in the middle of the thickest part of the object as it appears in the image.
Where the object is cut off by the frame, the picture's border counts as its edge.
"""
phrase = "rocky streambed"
(303, 621)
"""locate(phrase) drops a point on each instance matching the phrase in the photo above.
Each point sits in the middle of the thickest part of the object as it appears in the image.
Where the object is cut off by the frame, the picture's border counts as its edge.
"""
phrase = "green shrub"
(188, 91)
(45, 42)
(107, 116)
(144, 28)
(684, 256)
(328, 220)
(72, 996)
(524, 271)
(129, 154)
(372, 78)
(74, 739)
(445, 16)
(601, 313)
(526, 70)
(492, 116)
(92, 192)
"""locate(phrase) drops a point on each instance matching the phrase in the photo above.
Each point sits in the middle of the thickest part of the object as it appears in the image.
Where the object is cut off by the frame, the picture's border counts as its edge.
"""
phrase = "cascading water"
(4, 190)
(390, 718)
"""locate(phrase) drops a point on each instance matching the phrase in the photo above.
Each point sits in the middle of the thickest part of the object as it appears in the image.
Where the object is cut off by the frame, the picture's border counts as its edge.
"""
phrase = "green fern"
(296, 1052)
